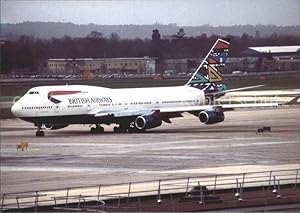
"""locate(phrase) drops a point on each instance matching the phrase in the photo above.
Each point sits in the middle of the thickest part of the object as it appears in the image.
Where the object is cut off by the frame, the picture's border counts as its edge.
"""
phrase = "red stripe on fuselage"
(62, 92)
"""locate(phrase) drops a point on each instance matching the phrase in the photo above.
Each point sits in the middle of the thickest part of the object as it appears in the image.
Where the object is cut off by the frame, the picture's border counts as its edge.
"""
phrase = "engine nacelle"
(56, 126)
(211, 117)
(147, 122)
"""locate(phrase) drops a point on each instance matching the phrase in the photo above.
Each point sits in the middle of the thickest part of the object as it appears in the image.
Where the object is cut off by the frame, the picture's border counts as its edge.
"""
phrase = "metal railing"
(98, 194)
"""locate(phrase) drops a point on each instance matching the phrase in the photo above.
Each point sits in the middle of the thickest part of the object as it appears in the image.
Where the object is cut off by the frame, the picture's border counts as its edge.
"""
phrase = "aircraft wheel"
(100, 129)
(40, 133)
(133, 130)
(93, 130)
(116, 130)
(97, 129)
(119, 130)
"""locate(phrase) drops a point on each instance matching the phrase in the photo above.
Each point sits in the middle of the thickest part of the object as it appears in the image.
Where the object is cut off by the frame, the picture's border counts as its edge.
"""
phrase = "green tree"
(95, 35)
(181, 33)
(114, 37)
(156, 43)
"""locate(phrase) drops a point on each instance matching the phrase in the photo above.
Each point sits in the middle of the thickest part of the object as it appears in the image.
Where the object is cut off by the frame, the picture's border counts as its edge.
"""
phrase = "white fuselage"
(92, 100)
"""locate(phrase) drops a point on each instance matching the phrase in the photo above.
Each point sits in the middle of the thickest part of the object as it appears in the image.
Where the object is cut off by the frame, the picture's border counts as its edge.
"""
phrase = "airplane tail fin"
(208, 76)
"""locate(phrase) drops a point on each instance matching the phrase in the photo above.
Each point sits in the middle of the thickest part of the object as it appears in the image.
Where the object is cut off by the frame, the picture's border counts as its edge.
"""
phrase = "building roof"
(276, 49)
(91, 59)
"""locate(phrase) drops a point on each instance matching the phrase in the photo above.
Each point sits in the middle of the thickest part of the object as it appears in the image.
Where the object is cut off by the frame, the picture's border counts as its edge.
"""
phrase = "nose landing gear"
(39, 132)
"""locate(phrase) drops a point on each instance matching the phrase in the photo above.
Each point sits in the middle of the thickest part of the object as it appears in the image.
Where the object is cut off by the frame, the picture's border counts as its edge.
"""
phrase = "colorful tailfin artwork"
(208, 76)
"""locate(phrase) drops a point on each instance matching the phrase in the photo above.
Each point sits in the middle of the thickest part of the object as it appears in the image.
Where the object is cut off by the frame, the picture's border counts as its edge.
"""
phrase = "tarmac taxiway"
(73, 157)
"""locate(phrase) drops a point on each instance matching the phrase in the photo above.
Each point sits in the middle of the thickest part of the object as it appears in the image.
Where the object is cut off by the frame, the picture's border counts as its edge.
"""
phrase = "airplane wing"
(172, 112)
(119, 114)
(224, 107)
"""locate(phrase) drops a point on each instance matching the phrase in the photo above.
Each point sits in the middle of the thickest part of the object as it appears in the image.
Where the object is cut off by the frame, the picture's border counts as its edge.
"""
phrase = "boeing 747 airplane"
(133, 109)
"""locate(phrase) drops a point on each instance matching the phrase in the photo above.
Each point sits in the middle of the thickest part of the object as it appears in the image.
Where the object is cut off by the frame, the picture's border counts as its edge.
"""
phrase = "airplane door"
(125, 104)
(56, 108)
(88, 107)
(156, 103)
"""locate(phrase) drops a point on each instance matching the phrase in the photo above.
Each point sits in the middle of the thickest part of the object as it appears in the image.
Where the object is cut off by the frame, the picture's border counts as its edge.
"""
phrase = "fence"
(99, 194)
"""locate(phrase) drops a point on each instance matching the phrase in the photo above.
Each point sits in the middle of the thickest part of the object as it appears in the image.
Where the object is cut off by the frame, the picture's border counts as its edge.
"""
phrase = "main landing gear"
(39, 132)
(119, 129)
(130, 128)
(97, 129)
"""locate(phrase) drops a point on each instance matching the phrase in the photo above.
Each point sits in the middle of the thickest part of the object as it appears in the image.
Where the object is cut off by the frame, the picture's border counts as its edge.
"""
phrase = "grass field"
(6, 98)
(270, 83)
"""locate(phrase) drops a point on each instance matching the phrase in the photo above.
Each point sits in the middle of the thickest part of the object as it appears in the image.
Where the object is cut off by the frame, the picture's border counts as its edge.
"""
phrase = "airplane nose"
(15, 110)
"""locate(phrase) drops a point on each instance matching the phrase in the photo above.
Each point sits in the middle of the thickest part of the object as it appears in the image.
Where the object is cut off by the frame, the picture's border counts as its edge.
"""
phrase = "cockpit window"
(33, 92)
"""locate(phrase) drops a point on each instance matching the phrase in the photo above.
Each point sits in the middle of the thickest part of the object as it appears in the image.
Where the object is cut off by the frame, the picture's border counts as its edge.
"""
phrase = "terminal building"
(254, 59)
(143, 65)
(272, 58)
(277, 50)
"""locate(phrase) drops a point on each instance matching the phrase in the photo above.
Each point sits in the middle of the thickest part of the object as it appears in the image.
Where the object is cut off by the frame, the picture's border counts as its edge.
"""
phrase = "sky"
(181, 12)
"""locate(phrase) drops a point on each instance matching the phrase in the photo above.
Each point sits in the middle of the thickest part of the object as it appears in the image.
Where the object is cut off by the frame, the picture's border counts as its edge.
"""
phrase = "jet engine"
(147, 122)
(56, 126)
(211, 117)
